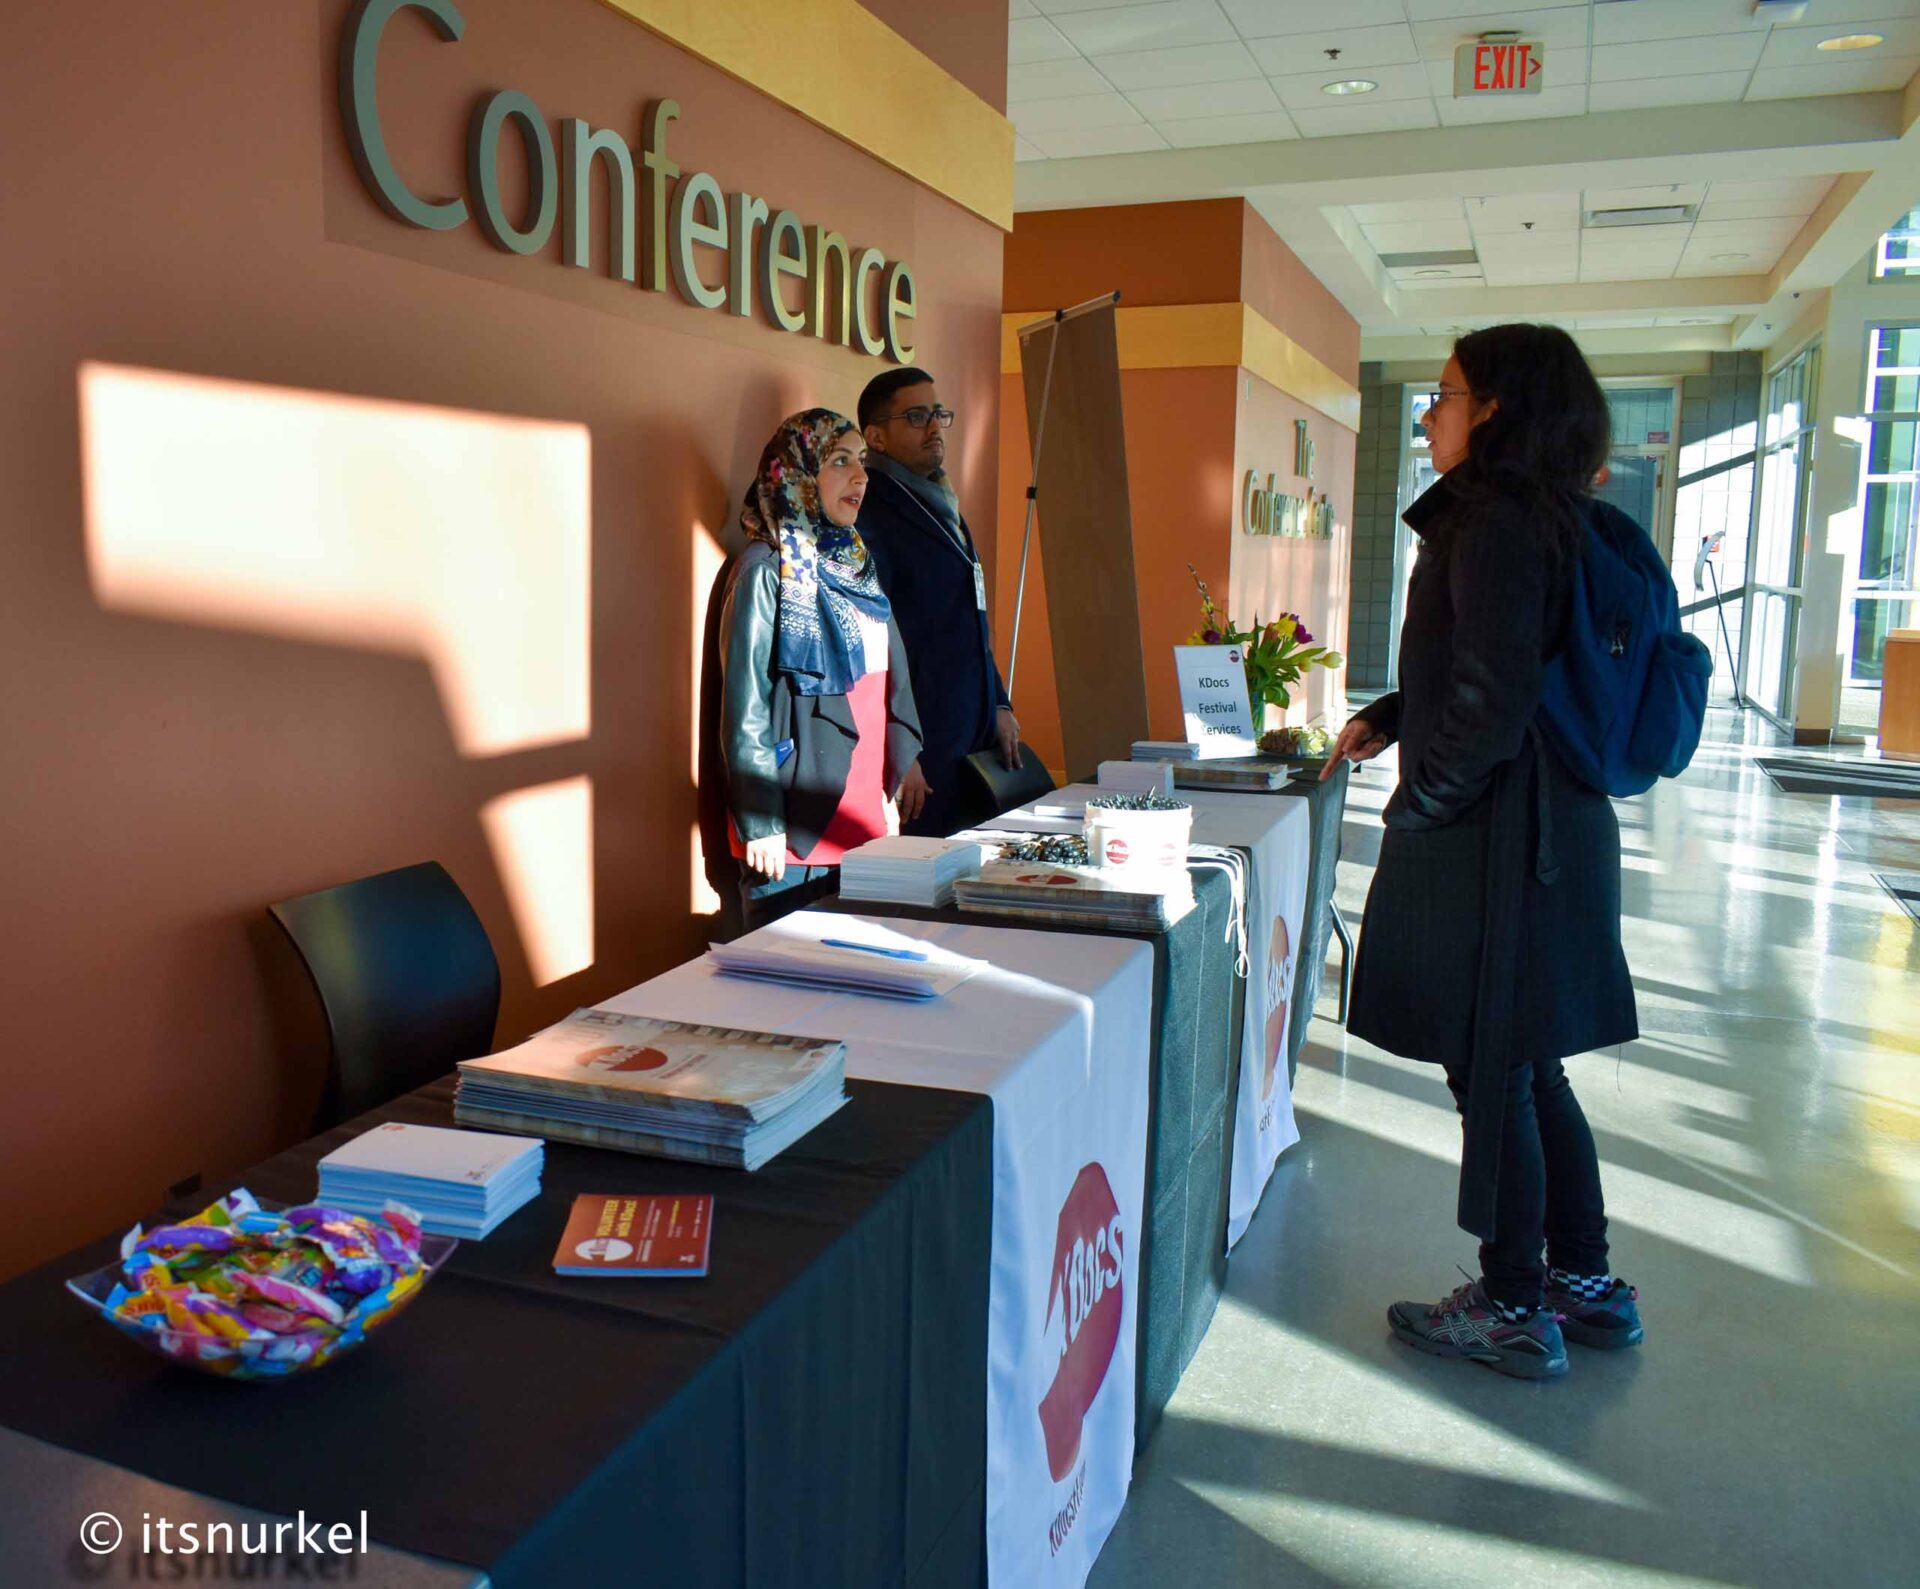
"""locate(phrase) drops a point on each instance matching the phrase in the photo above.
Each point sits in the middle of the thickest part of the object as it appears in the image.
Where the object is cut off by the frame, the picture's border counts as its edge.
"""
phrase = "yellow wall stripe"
(840, 66)
(1212, 335)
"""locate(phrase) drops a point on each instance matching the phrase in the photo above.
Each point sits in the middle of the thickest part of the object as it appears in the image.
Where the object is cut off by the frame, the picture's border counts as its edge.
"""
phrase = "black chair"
(998, 788)
(406, 976)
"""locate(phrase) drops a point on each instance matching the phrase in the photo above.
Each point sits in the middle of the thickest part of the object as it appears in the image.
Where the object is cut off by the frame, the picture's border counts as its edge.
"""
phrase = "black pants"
(758, 901)
(1549, 1191)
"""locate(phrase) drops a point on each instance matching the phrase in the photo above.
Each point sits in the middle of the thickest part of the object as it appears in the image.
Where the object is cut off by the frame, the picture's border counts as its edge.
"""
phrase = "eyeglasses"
(920, 417)
(1435, 399)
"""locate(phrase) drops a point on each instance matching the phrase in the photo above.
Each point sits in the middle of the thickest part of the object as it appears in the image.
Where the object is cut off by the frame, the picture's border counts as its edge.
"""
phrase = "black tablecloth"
(1197, 1009)
(814, 1411)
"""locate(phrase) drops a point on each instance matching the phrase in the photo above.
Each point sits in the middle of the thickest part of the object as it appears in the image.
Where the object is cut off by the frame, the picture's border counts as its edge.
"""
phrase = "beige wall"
(193, 737)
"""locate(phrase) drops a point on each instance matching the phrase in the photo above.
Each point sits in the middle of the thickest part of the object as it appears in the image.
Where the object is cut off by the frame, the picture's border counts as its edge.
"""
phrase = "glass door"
(1643, 415)
(1776, 548)
(1886, 595)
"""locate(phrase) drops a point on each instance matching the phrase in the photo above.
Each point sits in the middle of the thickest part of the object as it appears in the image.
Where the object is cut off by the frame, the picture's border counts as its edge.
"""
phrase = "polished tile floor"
(1761, 1153)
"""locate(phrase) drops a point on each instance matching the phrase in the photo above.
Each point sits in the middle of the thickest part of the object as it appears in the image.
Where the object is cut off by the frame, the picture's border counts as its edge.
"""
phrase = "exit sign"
(1503, 66)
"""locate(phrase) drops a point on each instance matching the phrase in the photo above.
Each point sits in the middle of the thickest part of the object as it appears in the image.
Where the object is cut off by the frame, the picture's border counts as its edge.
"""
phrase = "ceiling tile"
(1552, 102)
(1306, 92)
(1530, 276)
(1260, 19)
(1432, 10)
(1205, 131)
(1726, 52)
(1843, 77)
(1070, 143)
(1838, 14)
(1066, 7)
(1406, 210)
(1036, 39)
(1163, 25)
(1400, 115)
(1647, 20)
(1739, 234)
(1358, 47)
(1638, 198)
(1695, 320)
(1691, 267)
(1564, 27)
(1053, 80)
(1510, 212)
(1802, 195)
(1204, 99)
(1023, 150)
(1624, 271)
(1628, 238)
(1023, 8)
(1705, 88)
(1406, 237)
(1196, 63)
(1798, 46)
(1529, 248)
(1750, 209)
(1087, 110)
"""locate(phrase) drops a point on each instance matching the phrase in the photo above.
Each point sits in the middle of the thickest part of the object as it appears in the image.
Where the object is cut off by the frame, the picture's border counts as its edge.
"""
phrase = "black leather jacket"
(798, 794)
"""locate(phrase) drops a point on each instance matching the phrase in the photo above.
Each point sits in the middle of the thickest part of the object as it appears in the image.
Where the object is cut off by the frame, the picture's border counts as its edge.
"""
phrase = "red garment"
(862, 812)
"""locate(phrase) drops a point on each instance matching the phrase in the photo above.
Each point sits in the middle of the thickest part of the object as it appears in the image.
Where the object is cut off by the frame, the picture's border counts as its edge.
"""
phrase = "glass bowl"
(258, 1361)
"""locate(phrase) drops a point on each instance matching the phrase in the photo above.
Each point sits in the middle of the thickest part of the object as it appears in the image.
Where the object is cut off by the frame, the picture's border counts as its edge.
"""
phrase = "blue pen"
(872, 949)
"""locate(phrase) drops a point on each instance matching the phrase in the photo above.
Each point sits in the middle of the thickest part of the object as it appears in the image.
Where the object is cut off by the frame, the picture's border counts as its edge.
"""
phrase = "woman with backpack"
(1492, 936)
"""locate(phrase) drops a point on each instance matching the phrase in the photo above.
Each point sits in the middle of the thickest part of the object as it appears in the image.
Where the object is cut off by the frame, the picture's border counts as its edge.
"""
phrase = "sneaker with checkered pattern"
(1465, 1324)
(1604, 1323)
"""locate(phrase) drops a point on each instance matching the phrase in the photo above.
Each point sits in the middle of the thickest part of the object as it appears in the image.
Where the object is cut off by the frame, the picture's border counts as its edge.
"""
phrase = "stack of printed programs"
(665, 1088)
(907, 870)
(844, 954)
(460, 1183)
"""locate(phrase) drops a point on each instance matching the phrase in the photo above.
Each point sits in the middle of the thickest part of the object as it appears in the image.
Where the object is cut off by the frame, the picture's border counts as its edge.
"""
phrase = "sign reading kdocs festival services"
(1213, 700)
(666, 220)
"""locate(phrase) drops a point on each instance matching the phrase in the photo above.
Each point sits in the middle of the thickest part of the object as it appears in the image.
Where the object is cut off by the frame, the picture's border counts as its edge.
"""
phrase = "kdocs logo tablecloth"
(1277, 835)
(1055, 1031)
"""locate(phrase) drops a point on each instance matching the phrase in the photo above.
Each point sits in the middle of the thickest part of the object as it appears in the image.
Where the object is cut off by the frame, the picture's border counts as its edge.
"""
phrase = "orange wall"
(1191, 436)
(183, 203)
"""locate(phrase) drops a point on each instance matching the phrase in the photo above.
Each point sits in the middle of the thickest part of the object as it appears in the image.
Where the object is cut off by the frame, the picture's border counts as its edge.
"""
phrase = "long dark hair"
(1549, 435)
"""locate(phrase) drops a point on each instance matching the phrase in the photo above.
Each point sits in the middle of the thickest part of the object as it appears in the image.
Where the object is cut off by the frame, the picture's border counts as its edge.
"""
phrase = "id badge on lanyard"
(979, 586)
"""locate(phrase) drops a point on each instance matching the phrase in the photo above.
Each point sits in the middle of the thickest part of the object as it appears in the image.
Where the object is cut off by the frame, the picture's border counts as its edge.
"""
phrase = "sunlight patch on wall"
(458, 537)
(542, 844)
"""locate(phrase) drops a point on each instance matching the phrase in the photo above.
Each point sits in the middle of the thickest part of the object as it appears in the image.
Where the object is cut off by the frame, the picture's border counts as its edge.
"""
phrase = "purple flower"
(1213, 637)
(1304, 636)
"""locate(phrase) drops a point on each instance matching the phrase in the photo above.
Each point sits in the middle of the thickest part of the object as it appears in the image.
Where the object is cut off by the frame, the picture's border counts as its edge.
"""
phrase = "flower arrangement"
(1277, 654)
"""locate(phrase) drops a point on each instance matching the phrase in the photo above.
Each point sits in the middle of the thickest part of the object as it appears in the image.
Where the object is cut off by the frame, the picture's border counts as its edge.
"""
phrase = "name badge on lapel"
(979, 587)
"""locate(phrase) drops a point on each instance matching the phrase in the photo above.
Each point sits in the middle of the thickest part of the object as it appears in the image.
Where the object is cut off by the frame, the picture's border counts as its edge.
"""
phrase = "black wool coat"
(928, 575)
(1492, 933)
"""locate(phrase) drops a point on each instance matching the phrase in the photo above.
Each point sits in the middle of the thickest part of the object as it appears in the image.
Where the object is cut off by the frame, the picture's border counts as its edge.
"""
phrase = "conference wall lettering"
(658, 215)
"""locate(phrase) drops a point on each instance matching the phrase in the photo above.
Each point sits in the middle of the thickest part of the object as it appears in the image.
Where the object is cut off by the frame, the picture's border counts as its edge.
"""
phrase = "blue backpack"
(1624, 700)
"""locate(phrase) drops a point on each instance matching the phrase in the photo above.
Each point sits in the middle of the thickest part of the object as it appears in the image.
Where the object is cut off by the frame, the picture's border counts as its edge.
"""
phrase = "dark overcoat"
(1492, 933)
(929, 576)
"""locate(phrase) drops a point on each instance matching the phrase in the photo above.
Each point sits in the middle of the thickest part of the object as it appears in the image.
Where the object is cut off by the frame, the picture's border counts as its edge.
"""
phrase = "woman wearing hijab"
(819, 731)
(1492, 936)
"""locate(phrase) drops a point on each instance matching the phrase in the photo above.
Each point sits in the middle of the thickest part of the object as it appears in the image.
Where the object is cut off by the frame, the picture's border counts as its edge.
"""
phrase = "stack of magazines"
(907, 870)
(1049, 879)
(1232, 772)
(677, 1091)
(460, 1183)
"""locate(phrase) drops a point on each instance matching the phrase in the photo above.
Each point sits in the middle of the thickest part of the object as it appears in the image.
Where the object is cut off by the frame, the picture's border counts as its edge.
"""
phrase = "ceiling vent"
(1431, 256)
(1643, 215)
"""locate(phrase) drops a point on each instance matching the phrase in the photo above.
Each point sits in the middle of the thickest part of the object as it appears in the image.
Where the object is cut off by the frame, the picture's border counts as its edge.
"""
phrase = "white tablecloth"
(1055, 1031)
(1277, 835)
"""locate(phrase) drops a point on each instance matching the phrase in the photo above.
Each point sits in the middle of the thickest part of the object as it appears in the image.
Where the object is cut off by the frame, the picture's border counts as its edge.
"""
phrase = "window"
(1779, 535)
(1898, 255)
(1886, 592)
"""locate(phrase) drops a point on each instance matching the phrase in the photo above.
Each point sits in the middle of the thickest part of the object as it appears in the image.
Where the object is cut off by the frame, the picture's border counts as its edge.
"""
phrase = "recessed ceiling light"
(1852, 41)
(1351, 85)
(1728, 259)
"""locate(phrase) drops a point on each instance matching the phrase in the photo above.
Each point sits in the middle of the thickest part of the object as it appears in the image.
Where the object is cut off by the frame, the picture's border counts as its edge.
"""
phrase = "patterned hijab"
(827, 580)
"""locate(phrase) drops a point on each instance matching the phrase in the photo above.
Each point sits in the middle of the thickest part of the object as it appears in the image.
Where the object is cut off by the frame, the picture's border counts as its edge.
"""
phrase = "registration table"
(814, 1411)
(1053, 1028)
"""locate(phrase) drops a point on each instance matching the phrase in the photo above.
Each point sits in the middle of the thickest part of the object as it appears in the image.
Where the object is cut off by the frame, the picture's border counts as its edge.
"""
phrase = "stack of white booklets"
(713, 1094)
(1165, 749)
(845, 954)
(460, 1183)
(907, 870)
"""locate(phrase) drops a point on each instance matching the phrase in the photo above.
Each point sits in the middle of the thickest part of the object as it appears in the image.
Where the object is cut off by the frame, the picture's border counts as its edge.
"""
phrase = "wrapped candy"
(244, 1291)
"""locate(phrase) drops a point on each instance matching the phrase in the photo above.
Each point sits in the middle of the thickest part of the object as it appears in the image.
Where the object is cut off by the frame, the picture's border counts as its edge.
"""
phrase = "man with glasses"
(930, 570)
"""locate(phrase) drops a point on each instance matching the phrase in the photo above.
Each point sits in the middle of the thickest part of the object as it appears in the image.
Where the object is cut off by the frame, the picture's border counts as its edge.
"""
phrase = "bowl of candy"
(262, 1293)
